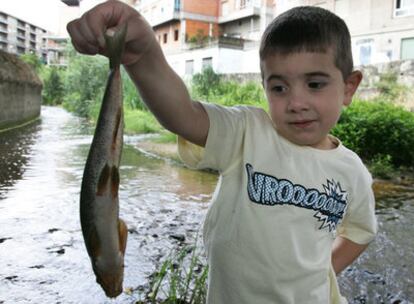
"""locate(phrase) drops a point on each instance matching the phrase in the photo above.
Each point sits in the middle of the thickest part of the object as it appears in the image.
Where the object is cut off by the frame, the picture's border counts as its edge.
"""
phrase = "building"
(223, 34)
(381, 30)
(20, 37)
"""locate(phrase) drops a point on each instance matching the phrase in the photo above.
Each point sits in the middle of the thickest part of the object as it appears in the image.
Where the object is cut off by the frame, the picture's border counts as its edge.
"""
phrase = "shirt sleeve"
(360, 224)
(224, 139)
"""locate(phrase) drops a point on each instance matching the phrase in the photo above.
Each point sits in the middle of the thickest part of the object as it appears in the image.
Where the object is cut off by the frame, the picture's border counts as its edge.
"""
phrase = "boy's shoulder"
(241, 110)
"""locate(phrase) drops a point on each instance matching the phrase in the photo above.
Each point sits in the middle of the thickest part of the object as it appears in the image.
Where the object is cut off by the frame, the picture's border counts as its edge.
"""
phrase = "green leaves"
(378, 130)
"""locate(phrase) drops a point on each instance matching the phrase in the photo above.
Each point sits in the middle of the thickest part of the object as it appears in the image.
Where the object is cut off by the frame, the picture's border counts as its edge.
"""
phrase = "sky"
(51, 15)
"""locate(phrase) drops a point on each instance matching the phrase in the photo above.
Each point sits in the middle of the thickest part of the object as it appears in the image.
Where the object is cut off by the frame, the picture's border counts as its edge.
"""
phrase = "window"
(165, 38)
(365, 51)
(175, 35)
(177, 5)
(404, 8)
(189, 67)
(207, 62)
(407, 48)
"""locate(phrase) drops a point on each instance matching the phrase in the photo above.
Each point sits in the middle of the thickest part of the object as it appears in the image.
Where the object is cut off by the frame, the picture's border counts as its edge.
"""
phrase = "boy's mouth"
(302, 124)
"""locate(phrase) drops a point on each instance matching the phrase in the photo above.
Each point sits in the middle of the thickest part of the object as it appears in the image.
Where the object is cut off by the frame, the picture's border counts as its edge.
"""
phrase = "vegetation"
(181, 278)
(378, 130)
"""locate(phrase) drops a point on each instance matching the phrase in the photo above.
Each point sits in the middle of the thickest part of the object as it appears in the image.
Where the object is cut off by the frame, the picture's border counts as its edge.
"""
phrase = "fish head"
(110, 276)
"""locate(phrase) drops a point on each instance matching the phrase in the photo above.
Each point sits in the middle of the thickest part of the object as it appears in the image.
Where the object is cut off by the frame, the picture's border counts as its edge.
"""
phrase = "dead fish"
(104, 233)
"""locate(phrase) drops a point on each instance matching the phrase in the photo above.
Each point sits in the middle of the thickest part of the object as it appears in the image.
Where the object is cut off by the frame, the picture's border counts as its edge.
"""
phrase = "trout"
(104, 233)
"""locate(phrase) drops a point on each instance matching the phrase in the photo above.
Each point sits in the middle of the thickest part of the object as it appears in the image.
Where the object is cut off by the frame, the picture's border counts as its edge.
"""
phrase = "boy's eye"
(315, 85)
(279, 89)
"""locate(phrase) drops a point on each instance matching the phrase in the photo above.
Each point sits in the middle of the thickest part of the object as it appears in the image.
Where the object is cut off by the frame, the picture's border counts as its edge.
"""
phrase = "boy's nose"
(298, 103)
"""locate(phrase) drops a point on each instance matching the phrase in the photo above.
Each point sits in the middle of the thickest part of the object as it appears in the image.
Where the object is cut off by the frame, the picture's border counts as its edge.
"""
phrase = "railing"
(222, 41)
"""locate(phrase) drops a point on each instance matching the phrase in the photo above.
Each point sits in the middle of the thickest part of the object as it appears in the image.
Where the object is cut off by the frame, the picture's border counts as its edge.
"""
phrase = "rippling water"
(42, 255)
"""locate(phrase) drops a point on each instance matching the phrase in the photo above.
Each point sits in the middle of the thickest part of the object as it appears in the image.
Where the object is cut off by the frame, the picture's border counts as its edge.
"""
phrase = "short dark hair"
(311, 29)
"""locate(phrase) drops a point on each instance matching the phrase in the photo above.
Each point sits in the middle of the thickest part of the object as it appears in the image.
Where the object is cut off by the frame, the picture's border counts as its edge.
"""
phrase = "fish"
(104, 233)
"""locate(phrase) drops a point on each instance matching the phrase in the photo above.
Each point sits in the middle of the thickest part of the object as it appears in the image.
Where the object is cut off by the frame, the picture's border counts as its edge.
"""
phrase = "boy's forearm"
(344, 252)
(167, 97)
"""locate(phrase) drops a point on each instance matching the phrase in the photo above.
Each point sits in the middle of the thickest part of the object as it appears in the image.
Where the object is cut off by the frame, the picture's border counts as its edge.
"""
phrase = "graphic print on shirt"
(330, 206)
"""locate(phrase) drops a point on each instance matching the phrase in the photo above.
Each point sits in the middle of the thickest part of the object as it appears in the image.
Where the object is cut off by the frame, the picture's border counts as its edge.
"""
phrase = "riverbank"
(162, 150)
(169, 150)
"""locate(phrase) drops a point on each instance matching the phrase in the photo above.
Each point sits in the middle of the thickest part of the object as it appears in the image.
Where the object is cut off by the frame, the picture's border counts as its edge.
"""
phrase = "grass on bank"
(378, 130)
(180, 279)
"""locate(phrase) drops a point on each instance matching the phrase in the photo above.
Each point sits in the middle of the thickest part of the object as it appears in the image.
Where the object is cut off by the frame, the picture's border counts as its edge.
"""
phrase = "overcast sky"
(51, 15)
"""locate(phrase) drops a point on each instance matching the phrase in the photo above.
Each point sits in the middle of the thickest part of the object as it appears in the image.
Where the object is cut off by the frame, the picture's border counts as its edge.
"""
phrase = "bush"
(85, 81)
(390, 89)
(381, 166)
(204, 83)
(132, 100)
(33, 60)
(378, 129)
(210, 86)
(53, 90)
(137, 121)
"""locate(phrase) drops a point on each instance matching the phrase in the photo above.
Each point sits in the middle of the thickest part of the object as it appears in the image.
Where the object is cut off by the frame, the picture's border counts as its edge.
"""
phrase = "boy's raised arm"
(160, 87)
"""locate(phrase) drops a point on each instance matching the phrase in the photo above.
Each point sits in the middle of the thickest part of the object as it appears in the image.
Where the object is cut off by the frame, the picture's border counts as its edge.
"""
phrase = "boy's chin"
(322, 142)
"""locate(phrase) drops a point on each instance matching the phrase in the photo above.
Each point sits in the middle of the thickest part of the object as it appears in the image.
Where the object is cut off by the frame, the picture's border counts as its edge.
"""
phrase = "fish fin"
(103, 180)
(123, 235)
(114, 181)
(94, 244)
(115, 46)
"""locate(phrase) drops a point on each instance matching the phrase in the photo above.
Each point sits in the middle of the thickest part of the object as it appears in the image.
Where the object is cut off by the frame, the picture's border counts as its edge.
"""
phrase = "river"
(42, 254)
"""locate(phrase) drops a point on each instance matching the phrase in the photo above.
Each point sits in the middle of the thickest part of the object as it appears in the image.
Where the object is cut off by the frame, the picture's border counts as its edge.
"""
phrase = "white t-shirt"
(276, 210)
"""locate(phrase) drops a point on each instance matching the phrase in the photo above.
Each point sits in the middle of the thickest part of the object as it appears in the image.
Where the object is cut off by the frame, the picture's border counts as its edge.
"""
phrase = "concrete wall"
(404, 70)
(20, 92)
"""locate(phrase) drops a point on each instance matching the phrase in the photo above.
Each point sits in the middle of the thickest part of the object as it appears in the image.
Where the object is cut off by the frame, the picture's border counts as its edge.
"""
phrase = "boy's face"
(306, 92)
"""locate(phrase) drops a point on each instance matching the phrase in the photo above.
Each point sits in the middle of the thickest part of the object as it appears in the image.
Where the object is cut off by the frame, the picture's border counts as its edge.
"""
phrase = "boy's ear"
(351, 85)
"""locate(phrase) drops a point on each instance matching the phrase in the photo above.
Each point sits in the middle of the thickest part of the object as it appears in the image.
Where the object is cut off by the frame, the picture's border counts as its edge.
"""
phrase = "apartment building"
(19, 37)
(381, 30)
(223, 34)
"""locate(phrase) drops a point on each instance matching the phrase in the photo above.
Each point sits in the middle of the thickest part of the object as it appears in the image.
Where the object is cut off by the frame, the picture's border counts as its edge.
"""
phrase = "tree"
(53, 90)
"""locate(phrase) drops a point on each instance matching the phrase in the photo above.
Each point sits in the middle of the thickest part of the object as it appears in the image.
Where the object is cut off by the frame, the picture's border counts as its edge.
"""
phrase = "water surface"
(42, 254)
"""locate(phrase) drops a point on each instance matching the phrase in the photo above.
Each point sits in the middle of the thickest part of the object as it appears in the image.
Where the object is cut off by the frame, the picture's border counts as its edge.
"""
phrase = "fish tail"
(115, 46)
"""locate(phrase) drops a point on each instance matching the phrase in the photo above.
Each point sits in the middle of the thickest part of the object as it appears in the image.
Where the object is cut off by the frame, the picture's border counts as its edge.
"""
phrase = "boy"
(293, 206)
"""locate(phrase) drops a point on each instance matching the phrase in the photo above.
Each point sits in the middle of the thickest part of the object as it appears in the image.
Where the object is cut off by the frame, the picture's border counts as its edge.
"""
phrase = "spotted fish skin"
(104, 233)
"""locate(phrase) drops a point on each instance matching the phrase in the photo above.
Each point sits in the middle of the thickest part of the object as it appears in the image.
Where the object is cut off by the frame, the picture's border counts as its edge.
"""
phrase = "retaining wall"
(20, 92)
(403, 69)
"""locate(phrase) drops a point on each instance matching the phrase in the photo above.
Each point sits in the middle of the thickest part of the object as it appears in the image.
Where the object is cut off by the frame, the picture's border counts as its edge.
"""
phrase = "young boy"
(293, 206)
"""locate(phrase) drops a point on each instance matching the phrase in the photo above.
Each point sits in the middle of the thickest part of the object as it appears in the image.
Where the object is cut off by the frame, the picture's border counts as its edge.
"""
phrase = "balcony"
(3, 19)
(21, 43)
(21, 35)
(3, 29)
(249, 9)
(21, 25)
(221, 42)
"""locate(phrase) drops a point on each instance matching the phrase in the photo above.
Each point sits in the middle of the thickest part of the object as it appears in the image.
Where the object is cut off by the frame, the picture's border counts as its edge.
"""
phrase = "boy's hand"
(161, 88)
(88, 31)
(344, 252)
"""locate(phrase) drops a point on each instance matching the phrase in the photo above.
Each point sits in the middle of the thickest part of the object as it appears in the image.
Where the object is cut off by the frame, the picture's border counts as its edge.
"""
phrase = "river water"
(42, 254)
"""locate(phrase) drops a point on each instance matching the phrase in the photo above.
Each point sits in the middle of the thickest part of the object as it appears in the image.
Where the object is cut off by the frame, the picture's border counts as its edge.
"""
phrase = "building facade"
(226, 33)
(223, 34)
(381, 30)
(20, 37)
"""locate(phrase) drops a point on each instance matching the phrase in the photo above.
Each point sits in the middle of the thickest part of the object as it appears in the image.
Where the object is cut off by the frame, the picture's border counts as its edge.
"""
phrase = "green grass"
(181, 278)
(139, 121)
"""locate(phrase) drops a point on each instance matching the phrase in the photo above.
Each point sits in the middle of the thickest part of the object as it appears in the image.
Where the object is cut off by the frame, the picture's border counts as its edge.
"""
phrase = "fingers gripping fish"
(105, 235)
